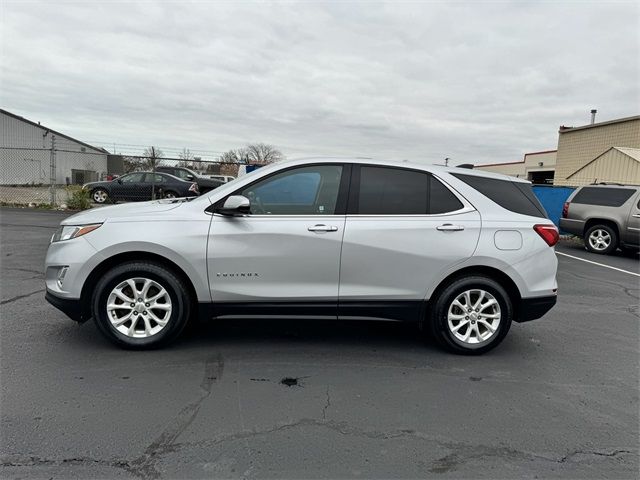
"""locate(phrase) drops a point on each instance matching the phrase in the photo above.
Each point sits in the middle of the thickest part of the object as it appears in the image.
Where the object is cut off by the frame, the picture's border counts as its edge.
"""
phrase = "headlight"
(67, 232)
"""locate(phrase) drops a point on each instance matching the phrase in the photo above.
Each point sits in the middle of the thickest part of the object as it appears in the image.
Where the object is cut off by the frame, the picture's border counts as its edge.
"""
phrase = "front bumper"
(534, 308)
(72, 307)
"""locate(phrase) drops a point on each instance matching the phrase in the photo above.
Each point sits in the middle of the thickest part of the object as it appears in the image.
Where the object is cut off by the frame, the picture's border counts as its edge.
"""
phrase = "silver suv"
(460, 252)
(606, 216)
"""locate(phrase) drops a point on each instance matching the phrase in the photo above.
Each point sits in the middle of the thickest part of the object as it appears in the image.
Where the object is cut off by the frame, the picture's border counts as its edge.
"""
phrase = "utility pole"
(52, 172)
(446, 161)
(153, 169)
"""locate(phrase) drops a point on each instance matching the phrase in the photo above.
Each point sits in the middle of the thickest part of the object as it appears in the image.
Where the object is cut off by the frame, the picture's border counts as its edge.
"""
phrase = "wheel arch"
(490, 272)
(600, 221)
(130, 256)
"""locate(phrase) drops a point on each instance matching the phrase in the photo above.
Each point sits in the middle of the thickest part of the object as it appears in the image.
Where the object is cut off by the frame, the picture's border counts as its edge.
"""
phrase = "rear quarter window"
(516, 197)
(603, 196)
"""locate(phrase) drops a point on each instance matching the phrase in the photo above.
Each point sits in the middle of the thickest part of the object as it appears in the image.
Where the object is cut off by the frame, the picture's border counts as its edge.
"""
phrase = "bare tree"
(186, 158)
(263, 153)
(152, 156)
(254, 153)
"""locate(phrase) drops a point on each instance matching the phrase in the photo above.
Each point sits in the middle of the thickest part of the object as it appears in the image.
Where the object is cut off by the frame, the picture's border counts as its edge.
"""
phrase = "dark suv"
(605, 216)
(204, 184)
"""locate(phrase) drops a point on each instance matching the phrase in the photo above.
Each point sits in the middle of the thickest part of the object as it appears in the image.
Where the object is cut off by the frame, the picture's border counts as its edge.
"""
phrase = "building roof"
(22, 119)
(564, 129)
(633, 153)
(517, 162)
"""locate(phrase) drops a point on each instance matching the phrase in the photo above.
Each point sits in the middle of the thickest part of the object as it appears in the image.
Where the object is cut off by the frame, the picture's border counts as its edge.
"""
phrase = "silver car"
(460, 252)
(606, 216)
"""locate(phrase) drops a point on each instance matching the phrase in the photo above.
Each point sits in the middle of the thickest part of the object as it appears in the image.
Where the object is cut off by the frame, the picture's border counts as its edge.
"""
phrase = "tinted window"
(606, 197)
(300, 191)
(392, 191)
(154, 178)
(514, 196)
(132, 177)
(441, 200)
(183, 174)
(395, 191)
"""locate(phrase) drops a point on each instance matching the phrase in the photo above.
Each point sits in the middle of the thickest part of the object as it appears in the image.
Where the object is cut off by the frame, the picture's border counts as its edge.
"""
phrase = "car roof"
(609, 185)
(427, 167)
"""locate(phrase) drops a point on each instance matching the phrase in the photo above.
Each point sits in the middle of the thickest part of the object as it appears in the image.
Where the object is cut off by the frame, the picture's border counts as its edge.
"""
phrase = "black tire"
(170, 194)
(604, 250)
(175, 288)
(100, 196)
(438, 321)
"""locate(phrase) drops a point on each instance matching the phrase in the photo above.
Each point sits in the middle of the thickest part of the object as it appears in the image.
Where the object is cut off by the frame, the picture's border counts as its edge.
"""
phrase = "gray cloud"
(470, 81)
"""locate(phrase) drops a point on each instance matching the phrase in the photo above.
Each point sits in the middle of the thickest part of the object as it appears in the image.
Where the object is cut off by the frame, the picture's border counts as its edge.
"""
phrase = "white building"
(27, 156)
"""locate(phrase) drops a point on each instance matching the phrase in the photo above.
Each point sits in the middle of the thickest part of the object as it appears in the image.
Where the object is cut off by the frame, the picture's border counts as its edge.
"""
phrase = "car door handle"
(637, 215)
(323, 228)
(449, 227)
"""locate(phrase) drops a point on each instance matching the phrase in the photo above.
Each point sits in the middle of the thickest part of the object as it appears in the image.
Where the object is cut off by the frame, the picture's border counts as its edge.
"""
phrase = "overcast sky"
(470, 81)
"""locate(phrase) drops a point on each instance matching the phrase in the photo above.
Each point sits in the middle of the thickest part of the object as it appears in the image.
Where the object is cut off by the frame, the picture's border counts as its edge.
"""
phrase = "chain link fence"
(52, 176)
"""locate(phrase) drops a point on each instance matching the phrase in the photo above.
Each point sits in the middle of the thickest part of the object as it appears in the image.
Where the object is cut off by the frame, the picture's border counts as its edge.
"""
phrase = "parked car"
(605, 216)
(205, 184)
(460, 252)
(222, 178)
(138, 186)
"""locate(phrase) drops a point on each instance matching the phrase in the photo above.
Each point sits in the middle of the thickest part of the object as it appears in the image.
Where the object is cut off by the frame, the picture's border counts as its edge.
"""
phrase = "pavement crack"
(33, 461)
(145, 465)
(28, 270)
(327, 405)
(19, 297)
(613, 453)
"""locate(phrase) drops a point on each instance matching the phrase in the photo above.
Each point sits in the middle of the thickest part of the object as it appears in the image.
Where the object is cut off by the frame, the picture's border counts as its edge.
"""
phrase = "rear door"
(404, 227)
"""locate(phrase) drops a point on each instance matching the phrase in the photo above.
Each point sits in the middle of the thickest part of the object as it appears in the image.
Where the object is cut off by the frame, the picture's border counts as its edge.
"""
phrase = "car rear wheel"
(170, 194)
(601, 239)
(471, 315)
(141, 305)
(99, 195)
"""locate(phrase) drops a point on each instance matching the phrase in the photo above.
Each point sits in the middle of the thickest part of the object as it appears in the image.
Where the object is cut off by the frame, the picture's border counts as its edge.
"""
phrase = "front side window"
(132, 178)
(309, 190)
(396, 191)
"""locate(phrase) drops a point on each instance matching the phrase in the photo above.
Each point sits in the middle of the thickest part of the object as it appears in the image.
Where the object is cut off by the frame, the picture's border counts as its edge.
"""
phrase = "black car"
(204, 184)
(138, 186)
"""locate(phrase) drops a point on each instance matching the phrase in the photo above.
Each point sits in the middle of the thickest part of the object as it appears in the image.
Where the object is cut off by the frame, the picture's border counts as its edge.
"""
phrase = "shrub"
(78, 198)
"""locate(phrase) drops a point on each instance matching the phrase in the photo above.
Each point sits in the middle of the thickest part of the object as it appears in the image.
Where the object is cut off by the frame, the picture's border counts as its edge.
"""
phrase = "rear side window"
(396, 191)
(605, 197)
(516, 197)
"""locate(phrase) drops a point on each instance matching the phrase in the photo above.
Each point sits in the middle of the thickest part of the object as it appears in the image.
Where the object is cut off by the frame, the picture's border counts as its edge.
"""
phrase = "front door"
(404, 228)
(284, 257)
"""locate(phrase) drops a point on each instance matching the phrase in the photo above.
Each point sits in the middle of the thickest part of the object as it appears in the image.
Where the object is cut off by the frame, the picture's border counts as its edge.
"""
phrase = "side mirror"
(235, 205)
(190, 177)
(119, 180)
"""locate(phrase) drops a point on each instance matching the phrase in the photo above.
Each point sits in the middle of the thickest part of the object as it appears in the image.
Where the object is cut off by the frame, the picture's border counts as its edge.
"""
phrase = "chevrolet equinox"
(460, 252)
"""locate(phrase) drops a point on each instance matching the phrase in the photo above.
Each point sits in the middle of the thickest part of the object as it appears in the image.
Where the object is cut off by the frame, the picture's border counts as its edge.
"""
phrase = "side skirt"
(398, 311)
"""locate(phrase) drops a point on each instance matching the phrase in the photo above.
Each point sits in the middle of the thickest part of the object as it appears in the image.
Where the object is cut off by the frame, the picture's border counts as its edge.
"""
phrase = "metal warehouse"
(32, 154)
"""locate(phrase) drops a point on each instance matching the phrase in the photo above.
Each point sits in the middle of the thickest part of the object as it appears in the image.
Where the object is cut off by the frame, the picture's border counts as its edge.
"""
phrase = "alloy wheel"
(599, 239)
(474, 316)
(100, 196)
(139, 307)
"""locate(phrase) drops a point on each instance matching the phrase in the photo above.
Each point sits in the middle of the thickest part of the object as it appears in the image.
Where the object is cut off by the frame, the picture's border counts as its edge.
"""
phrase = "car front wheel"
(471, 315)
(140, 305)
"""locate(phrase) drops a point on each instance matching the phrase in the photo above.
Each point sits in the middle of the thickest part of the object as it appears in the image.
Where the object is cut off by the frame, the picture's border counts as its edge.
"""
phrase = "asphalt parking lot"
(559, 397)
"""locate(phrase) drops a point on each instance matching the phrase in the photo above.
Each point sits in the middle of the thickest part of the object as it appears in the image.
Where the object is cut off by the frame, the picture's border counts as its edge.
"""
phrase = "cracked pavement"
(558, 399)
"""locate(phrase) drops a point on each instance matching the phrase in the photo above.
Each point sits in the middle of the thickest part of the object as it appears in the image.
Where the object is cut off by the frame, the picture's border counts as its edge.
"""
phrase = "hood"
(132, 211)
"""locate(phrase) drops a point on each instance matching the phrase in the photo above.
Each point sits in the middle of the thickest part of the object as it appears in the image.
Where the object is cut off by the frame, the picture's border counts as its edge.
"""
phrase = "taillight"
(193, 188)
(565, 210)
(549, 233)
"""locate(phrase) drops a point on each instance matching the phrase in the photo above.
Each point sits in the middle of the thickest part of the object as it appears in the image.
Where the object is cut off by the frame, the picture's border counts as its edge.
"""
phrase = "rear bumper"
(71, 307)
(569, 225)
(534, 308)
